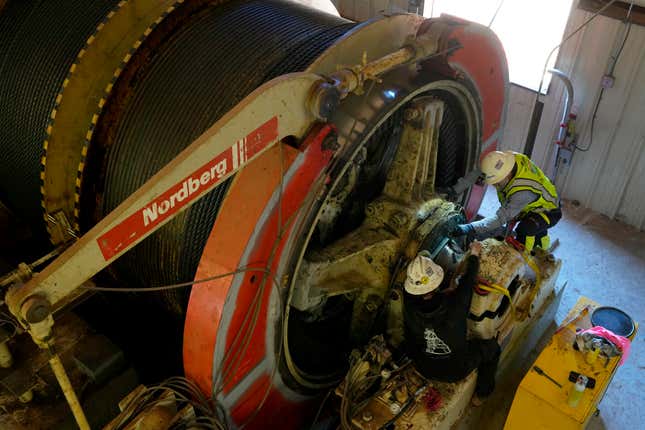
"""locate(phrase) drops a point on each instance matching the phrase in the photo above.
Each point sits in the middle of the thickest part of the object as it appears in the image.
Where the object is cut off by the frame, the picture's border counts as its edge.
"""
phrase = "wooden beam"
(618, 10)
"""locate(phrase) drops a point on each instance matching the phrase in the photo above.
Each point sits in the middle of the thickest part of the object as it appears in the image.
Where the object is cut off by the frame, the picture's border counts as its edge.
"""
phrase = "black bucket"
(613, 319)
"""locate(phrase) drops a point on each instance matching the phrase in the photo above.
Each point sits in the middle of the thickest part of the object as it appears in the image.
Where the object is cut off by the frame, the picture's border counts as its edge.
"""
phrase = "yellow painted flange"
(81, 100)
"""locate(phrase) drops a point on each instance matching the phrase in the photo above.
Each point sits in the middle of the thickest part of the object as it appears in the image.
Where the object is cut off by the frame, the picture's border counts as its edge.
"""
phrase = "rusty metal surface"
(362, 260)
(493, 315)
(31, 371)
(100, 377)
(358, 120)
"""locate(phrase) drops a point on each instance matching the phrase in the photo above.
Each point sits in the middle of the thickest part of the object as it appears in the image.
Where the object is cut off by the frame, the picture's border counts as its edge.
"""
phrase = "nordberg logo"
(190, 186)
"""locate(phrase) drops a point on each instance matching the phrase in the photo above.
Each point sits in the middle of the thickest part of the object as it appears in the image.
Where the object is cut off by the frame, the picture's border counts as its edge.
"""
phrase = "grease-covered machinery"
(306, 159)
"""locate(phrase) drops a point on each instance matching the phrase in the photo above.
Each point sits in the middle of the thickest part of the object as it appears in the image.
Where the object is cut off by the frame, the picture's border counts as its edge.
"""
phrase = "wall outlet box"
(607, 81)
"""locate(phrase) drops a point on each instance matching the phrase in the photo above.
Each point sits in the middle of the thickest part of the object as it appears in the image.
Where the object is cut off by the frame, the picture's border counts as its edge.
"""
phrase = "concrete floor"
(605, 261)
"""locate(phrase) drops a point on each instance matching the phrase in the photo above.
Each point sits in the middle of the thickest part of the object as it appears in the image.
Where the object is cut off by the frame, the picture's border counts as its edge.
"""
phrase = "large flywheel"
(303, 244)
(279, 331)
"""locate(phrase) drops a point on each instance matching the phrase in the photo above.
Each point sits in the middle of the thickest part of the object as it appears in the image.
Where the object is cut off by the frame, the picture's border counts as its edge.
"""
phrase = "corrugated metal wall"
(610, 177)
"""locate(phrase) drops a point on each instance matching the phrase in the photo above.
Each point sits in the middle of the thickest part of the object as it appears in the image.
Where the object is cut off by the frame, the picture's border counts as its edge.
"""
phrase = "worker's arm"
(468, 275)
(465, 182)
(490, 226)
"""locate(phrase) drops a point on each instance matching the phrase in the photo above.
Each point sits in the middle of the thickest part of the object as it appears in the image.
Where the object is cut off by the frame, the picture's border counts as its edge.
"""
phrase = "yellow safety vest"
(529, 177)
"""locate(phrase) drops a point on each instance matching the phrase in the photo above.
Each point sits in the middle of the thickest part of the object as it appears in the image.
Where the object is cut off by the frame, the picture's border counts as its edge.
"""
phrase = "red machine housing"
(230, 346)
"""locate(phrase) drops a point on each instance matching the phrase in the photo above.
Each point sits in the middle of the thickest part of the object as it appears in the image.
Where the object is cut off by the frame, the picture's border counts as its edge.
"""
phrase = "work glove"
(463, 230)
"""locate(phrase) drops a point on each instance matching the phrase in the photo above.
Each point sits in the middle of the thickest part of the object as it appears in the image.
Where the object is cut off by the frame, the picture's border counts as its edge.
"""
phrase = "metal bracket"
(60, 229)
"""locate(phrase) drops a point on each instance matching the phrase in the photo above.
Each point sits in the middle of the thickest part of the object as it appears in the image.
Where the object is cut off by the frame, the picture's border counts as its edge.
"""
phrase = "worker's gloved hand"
(463, 230)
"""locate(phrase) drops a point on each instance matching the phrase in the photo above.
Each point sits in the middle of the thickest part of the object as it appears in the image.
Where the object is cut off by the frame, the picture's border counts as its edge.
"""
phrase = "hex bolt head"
(399, 219)
(325, 101)
(35, 309)
(330, 143)
(26, 397)
(370, 210)
(372, 303)
(411, 114)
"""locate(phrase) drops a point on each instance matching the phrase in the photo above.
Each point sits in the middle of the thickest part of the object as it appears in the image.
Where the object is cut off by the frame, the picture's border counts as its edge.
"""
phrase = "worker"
(435, 318)
(526, 196)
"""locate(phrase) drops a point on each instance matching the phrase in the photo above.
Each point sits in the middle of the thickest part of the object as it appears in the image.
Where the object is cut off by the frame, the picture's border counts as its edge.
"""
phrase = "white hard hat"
(424, 276)
(497, 165)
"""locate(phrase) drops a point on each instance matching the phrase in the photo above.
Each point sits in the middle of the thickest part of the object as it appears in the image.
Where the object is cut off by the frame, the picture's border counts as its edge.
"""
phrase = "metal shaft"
(68, 391)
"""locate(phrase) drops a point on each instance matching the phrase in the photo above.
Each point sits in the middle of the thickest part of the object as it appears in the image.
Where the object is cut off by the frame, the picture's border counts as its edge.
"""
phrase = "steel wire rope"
(255, 303)
(320, 409)
(281, 230)
(264, 270)
(499, 7)
(239, 352)
(173, 286)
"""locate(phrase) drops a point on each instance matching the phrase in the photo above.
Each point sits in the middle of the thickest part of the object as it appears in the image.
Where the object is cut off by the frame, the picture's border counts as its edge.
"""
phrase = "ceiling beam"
(618, 10)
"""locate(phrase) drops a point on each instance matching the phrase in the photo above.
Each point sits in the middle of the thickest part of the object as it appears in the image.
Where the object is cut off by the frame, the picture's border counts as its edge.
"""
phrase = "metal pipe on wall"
(562, 131)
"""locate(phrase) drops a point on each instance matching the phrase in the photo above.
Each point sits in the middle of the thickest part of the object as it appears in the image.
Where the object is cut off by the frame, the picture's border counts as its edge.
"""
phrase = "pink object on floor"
(621, 342)
(433, 399)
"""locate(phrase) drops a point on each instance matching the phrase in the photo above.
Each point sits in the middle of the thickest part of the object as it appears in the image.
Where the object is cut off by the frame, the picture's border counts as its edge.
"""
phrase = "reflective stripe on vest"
(529, 177)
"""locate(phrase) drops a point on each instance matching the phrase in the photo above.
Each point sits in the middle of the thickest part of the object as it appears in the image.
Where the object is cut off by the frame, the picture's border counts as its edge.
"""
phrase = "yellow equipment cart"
(541, 401)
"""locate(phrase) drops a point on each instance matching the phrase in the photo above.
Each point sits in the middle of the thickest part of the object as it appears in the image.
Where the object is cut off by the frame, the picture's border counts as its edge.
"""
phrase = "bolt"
(411, 114)
(325, 100)
(399, 219)
(371, 306)
(370, 210)
(330, 143)
(372, 303)
(35, 309)
(26, 397)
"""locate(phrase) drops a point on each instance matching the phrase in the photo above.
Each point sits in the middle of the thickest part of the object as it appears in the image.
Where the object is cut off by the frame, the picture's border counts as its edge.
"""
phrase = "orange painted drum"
(230, 331)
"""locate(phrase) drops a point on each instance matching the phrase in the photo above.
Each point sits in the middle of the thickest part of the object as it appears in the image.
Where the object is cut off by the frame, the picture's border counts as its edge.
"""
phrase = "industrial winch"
(263, 170)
